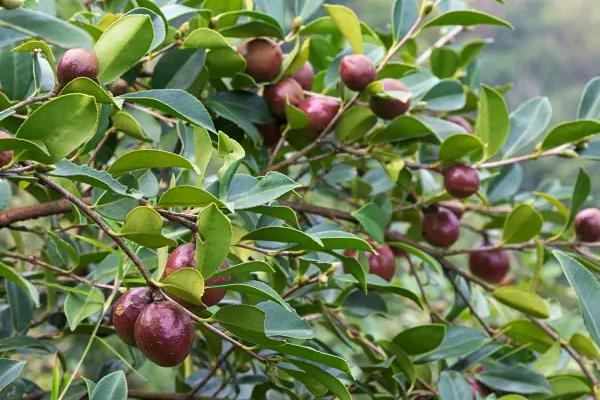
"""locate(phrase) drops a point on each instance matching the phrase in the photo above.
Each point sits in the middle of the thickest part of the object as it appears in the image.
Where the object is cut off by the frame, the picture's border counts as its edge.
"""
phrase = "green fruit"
(12, 4)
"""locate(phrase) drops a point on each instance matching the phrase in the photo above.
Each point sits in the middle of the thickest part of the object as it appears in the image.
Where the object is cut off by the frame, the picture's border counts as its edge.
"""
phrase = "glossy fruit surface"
(76, 63)
(455, 206)
(460, 121)
(491, 266)
(440, 227)
(164, 333)
(118, 87)
(389, 108)
(383, 263)
(587, 225)
(461, 180)
(263, 58)
(5, 156)
(127, 310)
(305, 76)
(357, 71)
(320, 110)
(275, 95)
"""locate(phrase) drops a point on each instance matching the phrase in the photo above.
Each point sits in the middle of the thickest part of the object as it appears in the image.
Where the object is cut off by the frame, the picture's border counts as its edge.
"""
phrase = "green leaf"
(126, 123)
(354, 124)
(176, 102)
(51, 29)
(373, 220)
(186, 284)
(522, 300)
(246, 322)
(584, 346)
(279, 212)
(255, 288)
(255, 24)
(9, 371)
(492, 124)
(444, 62)
(341, 240)
(589, 105)
(513, 378)
(61, 125)
(224, 63)
(122, 45)
(282, 234)
(80, 306)
(404, 15)
(581, 192)
(205, 38)
(272, 186)
(453, 386)
(466, 18)
(159, 23)
(284, 322)
(111, 387)
(569, 132)
(529, 334)
(308, 353)
(244, 269)
(547, 363)
(147, 158)
(458, 342)
(402, 360)
(565, 387)
(87, 86)
(349, 24)
(420, 339)
(403, 127)
(212, 248)
(188, 196)
(419, 254)
(143, 225)
(458, 146)
(232, 153)
(11, 274)
(296, 118)
(522, 224)
(446, 95)
(329, 381)
(33, 45)
(380, 285)
(527, 123)
(586, 287)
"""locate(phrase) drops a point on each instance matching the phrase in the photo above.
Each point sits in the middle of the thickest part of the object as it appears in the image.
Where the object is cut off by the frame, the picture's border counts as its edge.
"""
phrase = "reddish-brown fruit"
(5, 156)
(127, 310)
(397, 252)
(460, 121)
(491, 266)
(455, 206)
(357, 71)
(461, 180)
(440, 227)
(382, 264)
(76, 63)
(164, 333)
(270, 133)
(320, 110)
(587, 225)
(263, 58)
(275, 95)
(388, 108)
(119, 87)
(305, 76)
(184, 257)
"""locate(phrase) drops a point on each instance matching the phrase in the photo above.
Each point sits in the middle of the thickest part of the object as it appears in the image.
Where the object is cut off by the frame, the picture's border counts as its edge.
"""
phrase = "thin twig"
(191, 394)
(439, 43)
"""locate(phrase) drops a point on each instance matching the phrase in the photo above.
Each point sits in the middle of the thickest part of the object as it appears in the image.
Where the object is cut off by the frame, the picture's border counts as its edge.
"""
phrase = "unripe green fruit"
(12, 4)
(76, 63)
(263, 58)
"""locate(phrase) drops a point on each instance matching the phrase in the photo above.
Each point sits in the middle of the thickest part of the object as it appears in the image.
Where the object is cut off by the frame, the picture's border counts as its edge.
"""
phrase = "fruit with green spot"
(357, 71)
(76, 63)
(126, 311)
(286, 90)
(263, 58)
(388, 106)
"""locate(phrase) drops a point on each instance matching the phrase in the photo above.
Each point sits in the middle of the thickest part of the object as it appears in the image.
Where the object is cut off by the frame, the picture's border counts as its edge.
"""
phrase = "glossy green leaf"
(254, 24)
(527, 123)
(246, 322)
(581, 192)
(284, 322)
(126, 123)
(188, 196)
(10, 273)
(244, 268)
(446, 95)
(159, 25)
(272, 186)
(354, 124)
(80, 306)
(87, 86)
(522, 224)
(349, 24)
(224, 62)
(295, 117)
(569, 132)
(466, 18)
(403, 127)
(589, 105)
(404, 15)
(332, 383)
(122, 45)
(111, 387)
(232, 153)
(522, 300)
(213, 245)
(529, 334)
(186, 284)
(513, 378)
(33, 45)
(9, 371)
(565, 387)
(492, 124)
(458, 146)
(282, 234)
(255, 288)
(83, 173)
(420, 339)
(147, 158)
(373, 220)
(444, 62)
(205, 38)
(143, 225)
(458, 342)
(279, 212)
(453, 386)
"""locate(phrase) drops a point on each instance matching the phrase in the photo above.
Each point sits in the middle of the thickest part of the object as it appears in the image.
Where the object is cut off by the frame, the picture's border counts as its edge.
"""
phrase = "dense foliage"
(269, 199)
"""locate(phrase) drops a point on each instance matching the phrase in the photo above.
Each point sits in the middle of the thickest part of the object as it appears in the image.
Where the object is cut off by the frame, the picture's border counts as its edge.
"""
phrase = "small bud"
(297, 24)
(428, 7)
(323, 279)
(568, 154)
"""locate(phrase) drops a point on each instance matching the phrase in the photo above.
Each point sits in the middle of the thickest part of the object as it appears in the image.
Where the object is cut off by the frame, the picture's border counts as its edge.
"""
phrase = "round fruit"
(213, 296)
(12, 4)
(382, 264)
(440, 227)
(491, 266)
(357, 71)
(5, 156)
(275, 95)
(76, 63)
(460, 121)
(305, 76)
(320, 110)
(119, 87)
(270, 133)
(389, 108)
(263, 58)
(127, 310)
(461, 180)
(455, 206)
(164, 333)
(587, 225)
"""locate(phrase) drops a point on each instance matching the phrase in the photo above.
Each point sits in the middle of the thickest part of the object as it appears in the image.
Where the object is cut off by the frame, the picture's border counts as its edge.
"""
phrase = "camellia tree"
(215, 199)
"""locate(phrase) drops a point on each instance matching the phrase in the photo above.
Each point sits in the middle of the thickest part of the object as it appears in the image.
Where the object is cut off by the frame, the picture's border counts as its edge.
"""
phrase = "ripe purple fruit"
(263, 58)
(357, 71)
(587, 225)
(270, 133)
(305, 76)
(460, 121)
(127, 310)
(320, 110)
(164, 333)
(76, 63)
(440, 227)
(491, 266)
(119, 87)
(382, 264)
(461, 180)
(455, 206)
(5, 156)
(389, 108)
(275, 95)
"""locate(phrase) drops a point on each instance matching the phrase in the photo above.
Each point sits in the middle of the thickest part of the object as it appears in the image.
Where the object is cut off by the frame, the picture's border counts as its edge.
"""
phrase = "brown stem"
(213, 371)
(355, 334)
(13, 215)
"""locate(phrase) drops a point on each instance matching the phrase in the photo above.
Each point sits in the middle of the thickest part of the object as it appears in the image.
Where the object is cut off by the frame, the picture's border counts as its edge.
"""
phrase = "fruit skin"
(263, 58)
(270, 133)
(455, 206)
(184, 257)
(390, 108)
(440, 227)
(164, 333)
(12, 4)
(127, 310)
(275, 95)
(460, 121)
(461, 180)
(382, 264)
(119, 87)
(76, 63)
(320, 110)
(491, 266)
(397, 252)
(357, 71)
(5, 156)
(587, 225)
(305, 76)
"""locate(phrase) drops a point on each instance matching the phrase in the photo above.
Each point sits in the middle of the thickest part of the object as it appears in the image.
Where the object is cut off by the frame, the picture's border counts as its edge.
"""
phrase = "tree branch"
(12, 215)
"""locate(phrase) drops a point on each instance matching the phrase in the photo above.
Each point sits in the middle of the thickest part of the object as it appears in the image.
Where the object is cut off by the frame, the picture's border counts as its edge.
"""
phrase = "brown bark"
(13, 215)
